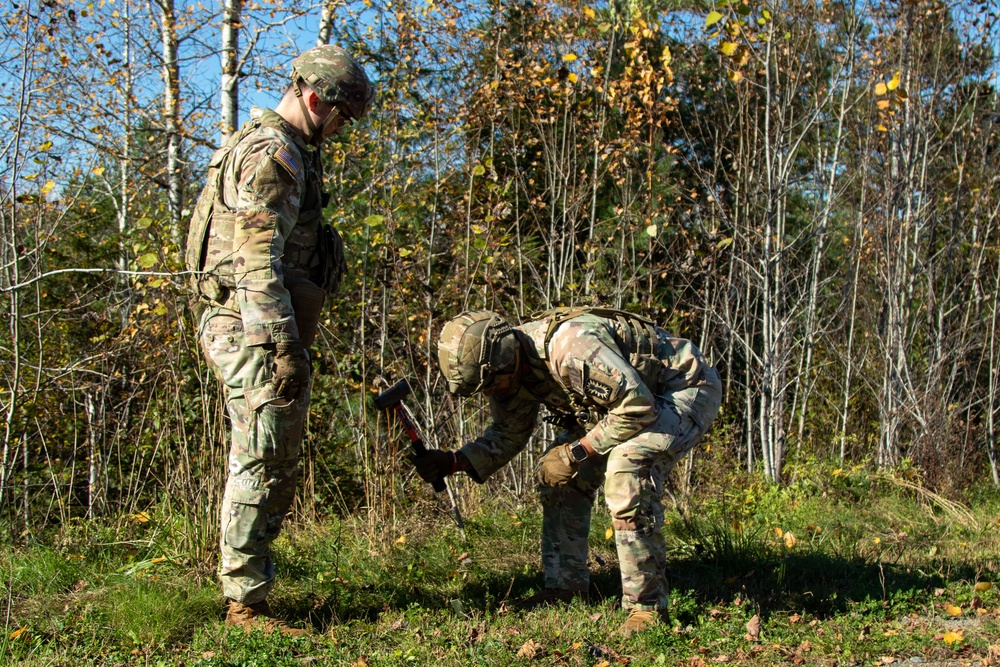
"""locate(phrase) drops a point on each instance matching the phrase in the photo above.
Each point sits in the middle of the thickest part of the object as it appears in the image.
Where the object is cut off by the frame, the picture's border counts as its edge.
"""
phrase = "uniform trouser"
(263, 456)
(633, 475)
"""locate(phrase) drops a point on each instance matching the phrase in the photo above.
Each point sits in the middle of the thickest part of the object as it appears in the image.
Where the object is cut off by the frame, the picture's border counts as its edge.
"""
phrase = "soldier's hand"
(557, 467)
(291, 370)
(435, 464)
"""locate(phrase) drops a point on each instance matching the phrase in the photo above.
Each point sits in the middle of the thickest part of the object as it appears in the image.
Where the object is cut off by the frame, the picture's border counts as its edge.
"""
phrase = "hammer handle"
(416, 444)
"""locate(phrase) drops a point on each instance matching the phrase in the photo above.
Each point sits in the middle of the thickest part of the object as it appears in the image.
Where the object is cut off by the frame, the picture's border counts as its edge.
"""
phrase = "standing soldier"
(265, 262)
(632, 399)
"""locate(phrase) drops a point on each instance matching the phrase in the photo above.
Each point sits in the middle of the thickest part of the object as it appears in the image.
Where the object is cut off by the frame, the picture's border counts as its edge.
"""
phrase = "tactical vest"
(635, 337)
(314, 251)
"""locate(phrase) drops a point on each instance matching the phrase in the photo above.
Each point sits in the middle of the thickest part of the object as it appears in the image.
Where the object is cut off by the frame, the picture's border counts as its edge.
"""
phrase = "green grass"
(851, 568)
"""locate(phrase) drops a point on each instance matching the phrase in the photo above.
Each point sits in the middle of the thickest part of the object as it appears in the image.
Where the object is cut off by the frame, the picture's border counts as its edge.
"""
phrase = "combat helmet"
(473, 348)
(337, 79)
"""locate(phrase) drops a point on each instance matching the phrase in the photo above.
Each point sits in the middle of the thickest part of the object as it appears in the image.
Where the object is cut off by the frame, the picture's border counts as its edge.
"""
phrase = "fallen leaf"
(938, 592)
(794, 618)
(951, 637)
(401, 539)
(952, 609)
(753, 628)
(362, 661)
(609, 533)
(886, 660)
(790, 540)
(208, 655)
(721, 658)
(529, 649)
(17, 633)
(865, 631)
(983, 586)
(594, 617)
(804, 647)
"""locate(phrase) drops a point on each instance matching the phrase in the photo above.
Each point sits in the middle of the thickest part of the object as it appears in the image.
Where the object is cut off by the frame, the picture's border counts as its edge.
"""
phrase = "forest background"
(807, 190)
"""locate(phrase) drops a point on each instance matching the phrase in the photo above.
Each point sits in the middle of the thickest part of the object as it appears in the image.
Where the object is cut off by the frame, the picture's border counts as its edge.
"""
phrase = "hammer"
(392, 399)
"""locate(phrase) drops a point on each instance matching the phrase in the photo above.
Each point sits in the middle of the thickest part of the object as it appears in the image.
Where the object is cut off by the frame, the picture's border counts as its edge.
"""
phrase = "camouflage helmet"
(337, 79)
(473, 348)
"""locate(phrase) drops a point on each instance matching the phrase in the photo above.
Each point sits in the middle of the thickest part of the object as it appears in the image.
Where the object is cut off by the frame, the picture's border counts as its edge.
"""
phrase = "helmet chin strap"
(315, 133)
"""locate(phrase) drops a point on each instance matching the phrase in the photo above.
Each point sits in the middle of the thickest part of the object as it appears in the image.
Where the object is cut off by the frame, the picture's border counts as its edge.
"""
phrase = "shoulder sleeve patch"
(287, 159)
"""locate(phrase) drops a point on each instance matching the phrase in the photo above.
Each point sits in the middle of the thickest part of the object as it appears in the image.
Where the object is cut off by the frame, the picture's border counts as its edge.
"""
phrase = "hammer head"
(393, 396)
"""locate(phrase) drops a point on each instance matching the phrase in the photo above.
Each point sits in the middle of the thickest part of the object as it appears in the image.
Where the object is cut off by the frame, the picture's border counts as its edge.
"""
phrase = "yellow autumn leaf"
(790, 540)
(952, 609)
(568, 58)
(778, 532)
(572, 78)
(951, 637)
(158, 559)
(48, 187)
(141, 517)
(651, 230)
(983, 586)
(728, 48)
(17, 633)
(882, 104)
(609, 533)
(712, 19)
(97, 171)
(401, 539)
(893, 82)
(881, 128)
(880, 88)
(735, 77)
(588, 12)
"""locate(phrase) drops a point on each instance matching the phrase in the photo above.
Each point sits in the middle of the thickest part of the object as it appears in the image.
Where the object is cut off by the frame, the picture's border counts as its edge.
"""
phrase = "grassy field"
(842, 567)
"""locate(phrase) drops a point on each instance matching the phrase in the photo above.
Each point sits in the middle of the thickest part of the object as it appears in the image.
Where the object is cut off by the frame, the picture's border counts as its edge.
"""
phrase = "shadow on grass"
(708, 566)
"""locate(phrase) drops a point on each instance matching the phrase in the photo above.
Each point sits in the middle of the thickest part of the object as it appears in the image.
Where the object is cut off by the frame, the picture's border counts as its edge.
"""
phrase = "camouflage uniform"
(267, 262)
(644, 399)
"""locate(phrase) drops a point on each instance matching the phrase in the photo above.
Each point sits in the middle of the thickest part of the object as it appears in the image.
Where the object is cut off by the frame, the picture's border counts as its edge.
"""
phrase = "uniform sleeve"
(266, 210)
(589, 365)
(513, 424)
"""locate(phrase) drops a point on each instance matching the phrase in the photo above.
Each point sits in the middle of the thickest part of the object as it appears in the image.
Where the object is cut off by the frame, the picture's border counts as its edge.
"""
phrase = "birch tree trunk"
(230, 105)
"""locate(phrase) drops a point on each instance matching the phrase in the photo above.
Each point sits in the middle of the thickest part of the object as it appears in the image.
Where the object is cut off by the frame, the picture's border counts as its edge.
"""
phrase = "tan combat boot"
(638, 620)
(258, 616)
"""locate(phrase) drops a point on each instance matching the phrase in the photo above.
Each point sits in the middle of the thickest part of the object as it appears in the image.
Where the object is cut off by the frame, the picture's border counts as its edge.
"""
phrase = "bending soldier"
(266, 261)
(633, 399)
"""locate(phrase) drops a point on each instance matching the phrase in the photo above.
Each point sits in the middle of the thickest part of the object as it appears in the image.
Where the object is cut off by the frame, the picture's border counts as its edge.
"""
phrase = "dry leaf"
(790, 540)
(880, 88)
(753, 628)
(952, 609)
(17, 633)
(865, 632)
(721, 658)
(362, 661)
(794, 618)
(529, 649)
(609, 533)
(983, 586)
(938, 592)
(401, 539)
(951, 637)
(886, 660)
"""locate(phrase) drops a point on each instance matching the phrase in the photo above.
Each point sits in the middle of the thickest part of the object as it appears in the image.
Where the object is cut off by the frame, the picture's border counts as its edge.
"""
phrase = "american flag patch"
(287, 160)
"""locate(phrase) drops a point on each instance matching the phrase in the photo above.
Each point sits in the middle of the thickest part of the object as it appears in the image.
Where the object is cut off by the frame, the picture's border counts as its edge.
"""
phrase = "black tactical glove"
(291, 370)
(435, 464)
(557, 467)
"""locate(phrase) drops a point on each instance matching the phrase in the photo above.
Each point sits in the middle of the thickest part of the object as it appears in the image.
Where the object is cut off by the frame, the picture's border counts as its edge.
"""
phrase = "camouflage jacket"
(587, 372)
(266, 234)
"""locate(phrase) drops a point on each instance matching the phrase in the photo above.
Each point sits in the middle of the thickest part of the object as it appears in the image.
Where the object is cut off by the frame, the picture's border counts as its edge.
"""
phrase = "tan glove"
(291, 370)
(557, 467)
